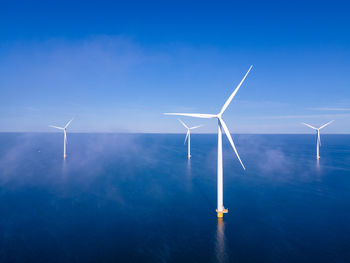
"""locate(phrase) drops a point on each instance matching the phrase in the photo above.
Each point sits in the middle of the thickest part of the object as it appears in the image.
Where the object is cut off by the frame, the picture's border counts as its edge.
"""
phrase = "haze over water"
(136, 197)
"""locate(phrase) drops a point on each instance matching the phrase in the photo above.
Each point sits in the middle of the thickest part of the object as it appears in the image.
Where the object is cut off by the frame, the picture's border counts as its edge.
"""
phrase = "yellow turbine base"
(189, 157)
(318, 157)
(221, 213)
(64, 156)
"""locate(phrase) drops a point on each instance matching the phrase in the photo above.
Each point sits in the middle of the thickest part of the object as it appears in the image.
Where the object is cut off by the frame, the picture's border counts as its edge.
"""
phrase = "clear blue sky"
(116, 67)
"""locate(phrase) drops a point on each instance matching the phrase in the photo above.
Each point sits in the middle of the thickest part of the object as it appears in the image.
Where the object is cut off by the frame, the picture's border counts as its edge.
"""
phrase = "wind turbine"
(221, 126)
(65, 136)
(188, 135)
(318, 140)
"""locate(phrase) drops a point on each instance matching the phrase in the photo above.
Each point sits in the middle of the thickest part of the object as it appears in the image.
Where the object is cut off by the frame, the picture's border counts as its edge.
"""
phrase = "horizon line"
(172, 133)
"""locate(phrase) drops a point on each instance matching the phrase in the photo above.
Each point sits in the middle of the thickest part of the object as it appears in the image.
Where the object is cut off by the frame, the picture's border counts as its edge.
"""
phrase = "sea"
(137, 198)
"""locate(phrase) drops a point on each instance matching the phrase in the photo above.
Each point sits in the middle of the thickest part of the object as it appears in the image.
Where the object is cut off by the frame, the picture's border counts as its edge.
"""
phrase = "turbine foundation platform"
(221, 213)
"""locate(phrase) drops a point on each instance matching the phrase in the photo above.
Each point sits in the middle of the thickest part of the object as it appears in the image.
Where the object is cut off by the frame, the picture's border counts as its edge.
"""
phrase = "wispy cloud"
(330, 109)
(261, 103)
(307, 116)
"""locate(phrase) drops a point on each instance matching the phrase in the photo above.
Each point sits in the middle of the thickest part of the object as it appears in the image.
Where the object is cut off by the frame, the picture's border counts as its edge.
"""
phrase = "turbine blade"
(234, 92)
(68, 123)
(195, 127)
(188, 132)
(325, 125)
(308, 125)
(60, 128)
(196, 115)
(230, 139)
(183, 123)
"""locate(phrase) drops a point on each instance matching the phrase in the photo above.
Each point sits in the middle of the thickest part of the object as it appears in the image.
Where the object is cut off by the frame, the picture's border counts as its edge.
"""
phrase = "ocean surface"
(136, 198)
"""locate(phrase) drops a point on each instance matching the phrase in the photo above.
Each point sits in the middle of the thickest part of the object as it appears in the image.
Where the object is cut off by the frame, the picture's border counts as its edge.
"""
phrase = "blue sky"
(116, 67)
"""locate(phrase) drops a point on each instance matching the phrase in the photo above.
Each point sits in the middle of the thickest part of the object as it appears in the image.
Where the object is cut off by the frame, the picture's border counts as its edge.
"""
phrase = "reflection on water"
(221, 254)
(188, 176)
(318, 171)
(64, 168)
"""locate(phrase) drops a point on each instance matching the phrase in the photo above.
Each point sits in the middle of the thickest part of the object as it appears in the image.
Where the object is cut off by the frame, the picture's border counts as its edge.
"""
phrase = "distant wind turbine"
(221, 126)
(65, 136)
(188, 135)
(318, 140)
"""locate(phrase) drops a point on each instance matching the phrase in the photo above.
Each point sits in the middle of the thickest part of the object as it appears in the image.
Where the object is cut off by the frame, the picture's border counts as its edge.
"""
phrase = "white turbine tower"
(188, 135)
(65, 136)
(221, 126)
(318, 140)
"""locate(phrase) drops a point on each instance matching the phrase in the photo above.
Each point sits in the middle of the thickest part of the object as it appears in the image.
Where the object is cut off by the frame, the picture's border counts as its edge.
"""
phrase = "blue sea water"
(136, 198)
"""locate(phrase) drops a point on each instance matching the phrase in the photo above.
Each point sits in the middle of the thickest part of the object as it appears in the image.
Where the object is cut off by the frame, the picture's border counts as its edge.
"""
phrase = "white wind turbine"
(65, 136)
(318, 143)
(188, 135)
(221, 126)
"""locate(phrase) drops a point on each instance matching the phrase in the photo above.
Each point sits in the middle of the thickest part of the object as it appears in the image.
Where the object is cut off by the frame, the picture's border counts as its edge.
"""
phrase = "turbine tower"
(65, 136)
(188, 135)
(318, 140)
(221, 126)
